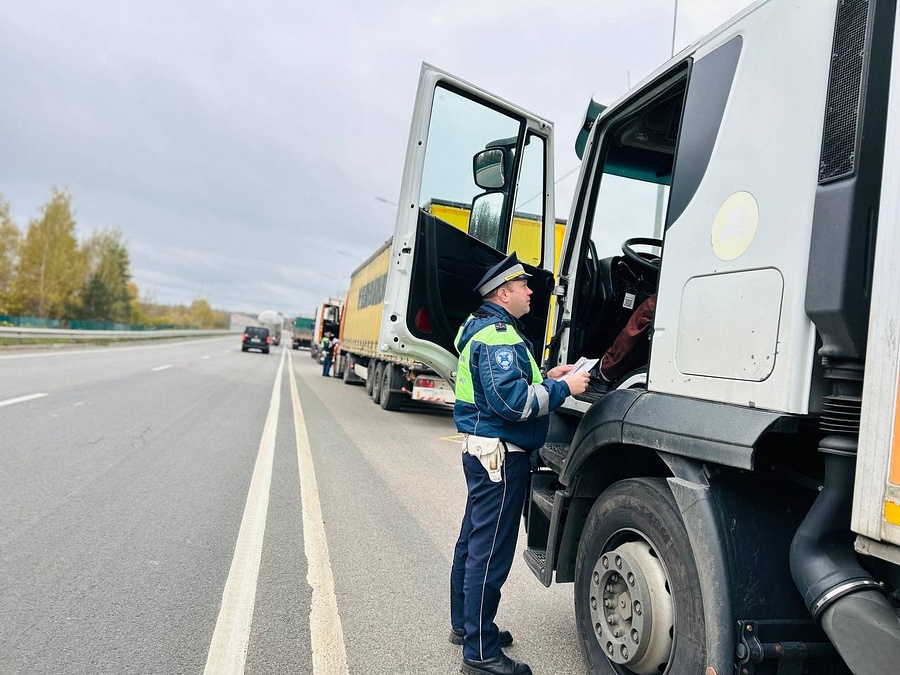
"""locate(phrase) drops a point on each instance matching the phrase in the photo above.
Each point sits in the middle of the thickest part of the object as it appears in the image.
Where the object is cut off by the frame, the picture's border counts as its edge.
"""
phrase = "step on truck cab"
(731, 503)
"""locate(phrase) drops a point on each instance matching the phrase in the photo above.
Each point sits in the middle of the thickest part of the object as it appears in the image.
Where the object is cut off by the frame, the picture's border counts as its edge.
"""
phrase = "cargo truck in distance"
(302, 332)
(731, 504)
(328, 320)
(390, 379)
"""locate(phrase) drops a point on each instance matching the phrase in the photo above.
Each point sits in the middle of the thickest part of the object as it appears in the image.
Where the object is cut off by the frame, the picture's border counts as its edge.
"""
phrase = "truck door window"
(460, 128)
(629, 199)
(526, 234)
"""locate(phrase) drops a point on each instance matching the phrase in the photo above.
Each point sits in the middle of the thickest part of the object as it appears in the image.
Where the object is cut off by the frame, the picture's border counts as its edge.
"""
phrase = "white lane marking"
(111, 350)
(228, 649)
(21, 399)
(326, 632)
(161, 367)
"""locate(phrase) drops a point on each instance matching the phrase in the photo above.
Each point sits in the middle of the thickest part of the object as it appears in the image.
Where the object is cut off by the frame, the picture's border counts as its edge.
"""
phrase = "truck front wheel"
(637, 594)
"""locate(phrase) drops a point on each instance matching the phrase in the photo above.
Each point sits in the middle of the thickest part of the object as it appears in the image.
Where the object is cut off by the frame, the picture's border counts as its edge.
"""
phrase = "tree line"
(46, 272)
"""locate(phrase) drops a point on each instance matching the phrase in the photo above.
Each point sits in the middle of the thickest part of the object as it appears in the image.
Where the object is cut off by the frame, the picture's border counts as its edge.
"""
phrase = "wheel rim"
(631, 606)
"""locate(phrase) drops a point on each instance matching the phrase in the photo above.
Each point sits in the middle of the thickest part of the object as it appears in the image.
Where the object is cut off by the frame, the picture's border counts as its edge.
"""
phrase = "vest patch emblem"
(500, 327)
(504, 358)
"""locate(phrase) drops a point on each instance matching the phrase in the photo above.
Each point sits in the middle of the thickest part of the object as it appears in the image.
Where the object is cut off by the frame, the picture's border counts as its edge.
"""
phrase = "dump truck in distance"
(302, 332)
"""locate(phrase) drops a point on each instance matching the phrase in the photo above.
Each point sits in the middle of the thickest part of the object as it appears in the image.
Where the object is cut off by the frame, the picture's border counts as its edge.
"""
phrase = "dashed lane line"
(326, 632)
(158, 368)
(105, 350)
(21, 399)
(228, 649)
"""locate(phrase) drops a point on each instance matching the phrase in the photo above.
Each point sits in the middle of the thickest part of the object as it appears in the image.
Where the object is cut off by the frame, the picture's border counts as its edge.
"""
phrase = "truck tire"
(634, 550)
(376, 381)
(391, 381)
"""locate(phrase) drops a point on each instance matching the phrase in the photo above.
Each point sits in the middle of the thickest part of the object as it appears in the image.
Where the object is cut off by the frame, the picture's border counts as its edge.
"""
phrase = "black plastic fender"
(715, 432)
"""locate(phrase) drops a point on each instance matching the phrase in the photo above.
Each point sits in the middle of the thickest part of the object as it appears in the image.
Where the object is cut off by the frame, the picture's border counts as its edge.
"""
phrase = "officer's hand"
(578, 382)
(560, 370)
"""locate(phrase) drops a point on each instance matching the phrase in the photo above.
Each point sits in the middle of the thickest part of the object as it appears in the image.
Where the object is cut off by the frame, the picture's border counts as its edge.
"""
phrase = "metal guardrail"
(26, 332)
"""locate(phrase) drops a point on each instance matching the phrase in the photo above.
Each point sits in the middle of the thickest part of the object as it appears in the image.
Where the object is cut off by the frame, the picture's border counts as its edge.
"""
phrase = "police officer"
(502, 407)
(326, 352)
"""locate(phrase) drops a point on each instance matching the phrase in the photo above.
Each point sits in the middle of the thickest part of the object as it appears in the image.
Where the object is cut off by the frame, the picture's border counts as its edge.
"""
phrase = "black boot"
(458, 635)
(499, 665)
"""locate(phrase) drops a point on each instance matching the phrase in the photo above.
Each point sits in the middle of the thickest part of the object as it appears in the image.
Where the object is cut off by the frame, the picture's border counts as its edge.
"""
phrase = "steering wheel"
(646, 262)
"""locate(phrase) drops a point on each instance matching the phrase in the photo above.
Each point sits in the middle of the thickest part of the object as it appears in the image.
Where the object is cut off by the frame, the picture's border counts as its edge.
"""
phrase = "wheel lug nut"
(635, 635)
(599, 629)
(609, 648)
(618, 562)
(593, 603)
(624, 652)
(597, 578)
(605, 562)
(607, 603)
(630, 579)
(616, 633)
(608, 588)
(637, 607)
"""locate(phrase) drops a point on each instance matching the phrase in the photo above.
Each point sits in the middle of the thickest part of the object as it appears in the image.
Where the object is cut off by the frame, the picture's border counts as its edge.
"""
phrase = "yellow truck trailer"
(390, 379)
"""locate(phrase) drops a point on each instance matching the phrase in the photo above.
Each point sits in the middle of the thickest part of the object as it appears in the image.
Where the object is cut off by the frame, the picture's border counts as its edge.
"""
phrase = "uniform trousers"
(485, 550)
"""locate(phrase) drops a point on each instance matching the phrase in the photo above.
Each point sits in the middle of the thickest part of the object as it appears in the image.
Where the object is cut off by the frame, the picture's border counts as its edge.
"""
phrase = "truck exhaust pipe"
(842, 597)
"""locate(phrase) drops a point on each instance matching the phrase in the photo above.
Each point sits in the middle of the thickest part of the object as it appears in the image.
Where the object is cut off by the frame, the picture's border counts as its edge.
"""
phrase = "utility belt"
(490, 452)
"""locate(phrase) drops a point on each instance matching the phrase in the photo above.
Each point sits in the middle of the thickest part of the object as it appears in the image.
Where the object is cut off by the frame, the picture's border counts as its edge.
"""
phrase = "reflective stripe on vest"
(489, 335)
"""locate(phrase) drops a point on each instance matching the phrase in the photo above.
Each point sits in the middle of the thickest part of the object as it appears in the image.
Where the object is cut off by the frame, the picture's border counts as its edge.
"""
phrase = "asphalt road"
(187, 508)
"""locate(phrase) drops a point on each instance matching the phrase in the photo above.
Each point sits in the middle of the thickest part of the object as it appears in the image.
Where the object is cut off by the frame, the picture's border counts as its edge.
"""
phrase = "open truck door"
(477, 185)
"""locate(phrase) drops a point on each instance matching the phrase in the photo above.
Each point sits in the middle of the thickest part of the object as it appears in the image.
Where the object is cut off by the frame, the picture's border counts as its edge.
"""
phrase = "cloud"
(243, 150)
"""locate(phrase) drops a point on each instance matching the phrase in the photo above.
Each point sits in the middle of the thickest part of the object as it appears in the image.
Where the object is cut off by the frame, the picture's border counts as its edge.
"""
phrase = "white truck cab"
(744, 471)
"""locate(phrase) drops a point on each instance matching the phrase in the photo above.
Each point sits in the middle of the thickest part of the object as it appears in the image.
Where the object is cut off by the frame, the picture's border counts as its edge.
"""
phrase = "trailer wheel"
(376, 381)
(391, 398)
(637, 593)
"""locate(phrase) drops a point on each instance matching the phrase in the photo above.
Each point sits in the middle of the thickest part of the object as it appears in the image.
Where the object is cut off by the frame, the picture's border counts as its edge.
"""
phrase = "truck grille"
(839, 139)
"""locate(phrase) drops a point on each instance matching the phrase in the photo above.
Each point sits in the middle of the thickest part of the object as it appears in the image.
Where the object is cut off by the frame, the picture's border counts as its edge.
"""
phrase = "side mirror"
(487, 167)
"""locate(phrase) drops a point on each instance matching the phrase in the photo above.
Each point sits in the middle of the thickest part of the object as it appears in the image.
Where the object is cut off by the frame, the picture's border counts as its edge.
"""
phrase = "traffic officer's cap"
(508, 269)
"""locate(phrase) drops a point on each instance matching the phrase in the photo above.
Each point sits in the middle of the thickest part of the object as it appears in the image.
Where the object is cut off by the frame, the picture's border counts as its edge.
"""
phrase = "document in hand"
(581, 365)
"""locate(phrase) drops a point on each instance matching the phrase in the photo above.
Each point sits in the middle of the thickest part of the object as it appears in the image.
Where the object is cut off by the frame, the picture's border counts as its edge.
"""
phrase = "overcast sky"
(245, 149)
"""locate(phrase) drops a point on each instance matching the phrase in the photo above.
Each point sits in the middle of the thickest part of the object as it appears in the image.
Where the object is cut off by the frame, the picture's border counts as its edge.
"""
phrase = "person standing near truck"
(502, 407)
(326, 353)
